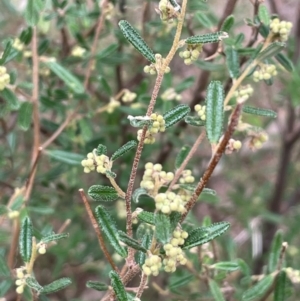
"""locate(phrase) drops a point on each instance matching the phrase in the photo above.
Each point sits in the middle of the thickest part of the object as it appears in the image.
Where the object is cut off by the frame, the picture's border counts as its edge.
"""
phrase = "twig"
(97, 229)
(142, 286)
(149, 112)
(187, 159)
(214, 160)
(14, 243)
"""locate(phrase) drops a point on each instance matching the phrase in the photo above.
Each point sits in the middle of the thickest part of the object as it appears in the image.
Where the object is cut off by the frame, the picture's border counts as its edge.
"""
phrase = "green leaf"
(275, 251)
(182, 155)
(214, 111)
(263, 14)
(202, 235)
(65, 157)
(147, 217)
(56, 285)
(98, 286)
(194, 121)
(228, 23)
(25, 114)
(131, 242)
(108, 227)
(259, 289)
(162, 227)
(215, 291)
(124, 149)
(9, 53)
(243, 266)
(25, 239)
(66, 76)
(285, 62)
(3, 209)
(32, 12)
(145, 243)
(137, 193)
(136, 40)
(85, 129)
(110, 174)
(118, 286)
(54, 237)
(181, 281)
(107, 51)
(233, 62)
(10, 98)
(103, 193)
(280, 287)
(176, 114)
(226, 266)
(259, 111)
(26, 35)
(174, 220)
(272, 50)
(140, 123)
(207, 38)
(32, 283)
(204, 20)
(4, 269)
(101, 150)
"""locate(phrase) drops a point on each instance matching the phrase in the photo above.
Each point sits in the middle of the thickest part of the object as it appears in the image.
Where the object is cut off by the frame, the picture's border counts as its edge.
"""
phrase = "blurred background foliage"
(258, 191)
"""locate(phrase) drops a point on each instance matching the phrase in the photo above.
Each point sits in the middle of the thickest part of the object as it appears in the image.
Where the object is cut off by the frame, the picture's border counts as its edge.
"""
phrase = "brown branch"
(214, 160)
(14, 243)
(142, 286)
(97, 229)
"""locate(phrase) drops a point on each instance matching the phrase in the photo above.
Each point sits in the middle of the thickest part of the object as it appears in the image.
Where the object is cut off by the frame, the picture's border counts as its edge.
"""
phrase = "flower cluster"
(109, 11)
(4, 78)
(201, 111)
(152, 265)
(170, 94)
(155, 67)
(128, 96)
(186, 177)
(99, 163)
(244, 92)
(174, 253)
(191, 54)
(13, 214)
(293, 274)
(169, 202)
(20, 282)
(112, 105)
(158, 125)
(154, 177)
(18, 45)
(281, 29)
(265, 72)
(232, 145)
(78, 51)
(257, 139)
(166, 10)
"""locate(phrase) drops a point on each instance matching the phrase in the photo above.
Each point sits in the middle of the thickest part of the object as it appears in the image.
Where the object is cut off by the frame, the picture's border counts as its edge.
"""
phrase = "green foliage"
(123, 150)
(275, 251)
(56, 285)
(176, 114)
(215, 291)
(259, 289)
(182, 155)
(162, 227)
(118, 286)
(25, 115)
(102, 193)
(259, 111)
(207, 38)
(98, 286)
(25, 239)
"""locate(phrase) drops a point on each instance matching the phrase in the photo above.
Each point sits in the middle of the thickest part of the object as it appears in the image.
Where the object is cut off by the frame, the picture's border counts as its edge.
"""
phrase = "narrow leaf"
(101, 150)
(10, 98)
(270, 51)
(32, 12)
(98, 286)
(9, 53)
(259, 111)
(202, 235)
(182, 155)
(147, 217)
(103, 193)
(207, 38)
(129, 241)
(25, 239)
(228, 23)
(32, 283)
(194, 121)
(124, 149)
(280, 287)
(136, 40)
(176, 114)
(56, 285)
(65, 157)
(66, 76)
(244, 267)
(174, 220)
(215, 291)
(54, 237)
(145, 243)
(162, 227)
(285, 62)
(214, 111)
(108, 227)
(233, 62)
(25, 114)
(110, 174)
(275, 251)
(259, 289)
(137, 193)
(226, 266)
(263, 14)
(118, 286)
